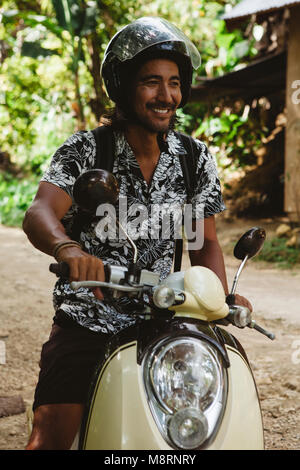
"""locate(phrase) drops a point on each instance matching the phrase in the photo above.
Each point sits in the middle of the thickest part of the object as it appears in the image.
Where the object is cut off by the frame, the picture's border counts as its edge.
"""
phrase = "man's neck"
(143, 142)
(145, 148)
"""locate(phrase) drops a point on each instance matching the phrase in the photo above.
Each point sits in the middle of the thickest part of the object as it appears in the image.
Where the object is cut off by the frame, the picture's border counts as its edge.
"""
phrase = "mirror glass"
(95, 187)
(250, 243)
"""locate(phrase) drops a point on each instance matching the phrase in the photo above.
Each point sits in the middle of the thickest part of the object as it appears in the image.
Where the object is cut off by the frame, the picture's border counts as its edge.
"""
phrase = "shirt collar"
(173, 144)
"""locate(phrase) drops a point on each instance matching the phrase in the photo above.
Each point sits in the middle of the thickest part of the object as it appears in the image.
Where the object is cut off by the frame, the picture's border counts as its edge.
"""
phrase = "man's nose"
(164, 93)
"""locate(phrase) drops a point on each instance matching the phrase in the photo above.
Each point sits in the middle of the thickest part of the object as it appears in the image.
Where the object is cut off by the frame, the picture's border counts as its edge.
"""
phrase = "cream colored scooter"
(177, 380)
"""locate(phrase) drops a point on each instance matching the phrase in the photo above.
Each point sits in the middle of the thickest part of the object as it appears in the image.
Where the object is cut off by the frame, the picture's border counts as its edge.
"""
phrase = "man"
(147, 71)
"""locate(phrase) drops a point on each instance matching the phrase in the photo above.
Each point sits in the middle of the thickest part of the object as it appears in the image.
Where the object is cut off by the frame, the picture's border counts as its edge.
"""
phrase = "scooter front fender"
(120, 417)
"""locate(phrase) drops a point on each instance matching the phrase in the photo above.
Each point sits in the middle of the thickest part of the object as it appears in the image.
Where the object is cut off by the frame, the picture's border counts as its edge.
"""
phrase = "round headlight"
(186, 386)
(188, 428)
(184, 373)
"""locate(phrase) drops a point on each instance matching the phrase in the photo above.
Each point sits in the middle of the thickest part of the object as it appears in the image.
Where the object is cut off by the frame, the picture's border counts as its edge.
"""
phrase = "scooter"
(177, 380)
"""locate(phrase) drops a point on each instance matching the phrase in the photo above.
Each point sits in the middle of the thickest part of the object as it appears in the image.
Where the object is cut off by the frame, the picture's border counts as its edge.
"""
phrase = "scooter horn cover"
(144, 39)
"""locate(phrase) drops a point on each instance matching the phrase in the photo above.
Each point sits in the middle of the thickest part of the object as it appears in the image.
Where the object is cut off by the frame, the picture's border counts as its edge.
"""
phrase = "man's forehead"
(159, 67)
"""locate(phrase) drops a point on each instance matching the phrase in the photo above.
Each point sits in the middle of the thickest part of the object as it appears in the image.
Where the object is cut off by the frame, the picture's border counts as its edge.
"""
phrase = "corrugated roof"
(251, 7)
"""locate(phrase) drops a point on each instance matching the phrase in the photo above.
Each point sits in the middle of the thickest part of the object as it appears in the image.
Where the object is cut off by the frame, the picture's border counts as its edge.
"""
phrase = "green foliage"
(235, 138)
(275, 251)
(32, 105)
(15, 197)
(231, 51)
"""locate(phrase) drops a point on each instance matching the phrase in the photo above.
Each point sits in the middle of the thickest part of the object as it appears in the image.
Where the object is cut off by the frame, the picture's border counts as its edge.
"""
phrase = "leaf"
(9, 16)
(202, 128)
(35, 20)
(35, 50)
(60, 13)
(225, 40)
(241, 49)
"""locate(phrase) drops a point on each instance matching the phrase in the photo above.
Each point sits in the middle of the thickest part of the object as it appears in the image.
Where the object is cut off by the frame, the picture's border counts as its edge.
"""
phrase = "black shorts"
(68, 361)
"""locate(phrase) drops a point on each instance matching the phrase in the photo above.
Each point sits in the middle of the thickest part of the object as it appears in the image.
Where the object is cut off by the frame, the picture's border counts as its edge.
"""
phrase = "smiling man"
(157, 94)
(147, 71)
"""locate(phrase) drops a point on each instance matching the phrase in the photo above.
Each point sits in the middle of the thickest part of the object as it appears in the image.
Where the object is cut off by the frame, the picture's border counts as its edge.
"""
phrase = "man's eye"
(152, 82)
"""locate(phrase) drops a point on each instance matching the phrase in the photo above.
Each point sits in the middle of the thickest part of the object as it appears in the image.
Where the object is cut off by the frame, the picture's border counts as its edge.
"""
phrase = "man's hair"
(115, 118)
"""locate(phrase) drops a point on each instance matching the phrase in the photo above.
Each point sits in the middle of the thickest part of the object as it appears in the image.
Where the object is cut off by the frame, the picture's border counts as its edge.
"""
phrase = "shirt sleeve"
(207, 199)
(73, 157)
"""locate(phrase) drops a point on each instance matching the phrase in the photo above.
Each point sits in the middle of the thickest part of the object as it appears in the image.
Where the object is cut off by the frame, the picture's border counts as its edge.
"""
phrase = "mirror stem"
(238, 275)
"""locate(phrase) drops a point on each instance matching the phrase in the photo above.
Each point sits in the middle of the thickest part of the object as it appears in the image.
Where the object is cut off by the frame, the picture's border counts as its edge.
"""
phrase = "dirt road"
(26, 316)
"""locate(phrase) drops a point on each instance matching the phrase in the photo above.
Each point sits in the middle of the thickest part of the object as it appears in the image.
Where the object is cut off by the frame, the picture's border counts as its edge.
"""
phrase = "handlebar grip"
(60, 269)
(230, 299)
(63, 270)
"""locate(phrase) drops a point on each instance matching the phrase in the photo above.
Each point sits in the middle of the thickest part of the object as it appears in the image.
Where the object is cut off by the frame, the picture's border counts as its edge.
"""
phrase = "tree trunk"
(79, 107)
(98, 103)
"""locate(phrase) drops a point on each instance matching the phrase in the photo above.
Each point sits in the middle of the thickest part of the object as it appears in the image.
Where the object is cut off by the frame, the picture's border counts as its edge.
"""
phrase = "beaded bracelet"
(68, 243)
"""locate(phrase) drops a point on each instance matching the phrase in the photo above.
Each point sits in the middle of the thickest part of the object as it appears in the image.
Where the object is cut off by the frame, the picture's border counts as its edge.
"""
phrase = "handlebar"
(60, 269)
(78, 285)
(241, 317)
(261, 330)
(238, 316)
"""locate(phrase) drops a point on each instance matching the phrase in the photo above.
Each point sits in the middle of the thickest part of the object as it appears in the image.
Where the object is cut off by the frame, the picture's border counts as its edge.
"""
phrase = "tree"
(73, 24)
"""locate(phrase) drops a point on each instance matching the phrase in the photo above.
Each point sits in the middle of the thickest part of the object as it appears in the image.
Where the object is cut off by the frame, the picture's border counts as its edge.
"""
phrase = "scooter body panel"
(120, 417)
(241, 427)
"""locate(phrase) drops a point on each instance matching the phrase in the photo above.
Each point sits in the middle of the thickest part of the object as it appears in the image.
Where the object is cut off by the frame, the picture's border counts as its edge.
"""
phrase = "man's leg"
(55, 426)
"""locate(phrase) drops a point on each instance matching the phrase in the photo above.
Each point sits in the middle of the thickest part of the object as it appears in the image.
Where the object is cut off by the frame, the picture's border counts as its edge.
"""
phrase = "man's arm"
(43, 227)
(42, 222)
(211, 255)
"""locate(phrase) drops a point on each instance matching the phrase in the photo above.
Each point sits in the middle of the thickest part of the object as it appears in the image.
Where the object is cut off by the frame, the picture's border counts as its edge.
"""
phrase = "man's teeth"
(162, 111)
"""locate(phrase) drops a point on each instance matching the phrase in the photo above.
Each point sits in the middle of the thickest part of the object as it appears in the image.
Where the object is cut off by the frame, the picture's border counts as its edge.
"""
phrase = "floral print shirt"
(76, 156)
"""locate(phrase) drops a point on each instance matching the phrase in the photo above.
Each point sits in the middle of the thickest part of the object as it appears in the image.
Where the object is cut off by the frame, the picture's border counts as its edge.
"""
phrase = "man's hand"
(83, 267)
(240, 300)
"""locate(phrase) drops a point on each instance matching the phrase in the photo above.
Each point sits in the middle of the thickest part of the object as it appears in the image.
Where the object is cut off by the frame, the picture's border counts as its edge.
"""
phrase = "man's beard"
(151, 126)
(118, 118)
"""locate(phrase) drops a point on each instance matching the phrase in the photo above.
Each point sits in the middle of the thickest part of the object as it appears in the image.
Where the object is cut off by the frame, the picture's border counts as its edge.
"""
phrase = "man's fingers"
(240, 300)
(84, 267)
(98, 293)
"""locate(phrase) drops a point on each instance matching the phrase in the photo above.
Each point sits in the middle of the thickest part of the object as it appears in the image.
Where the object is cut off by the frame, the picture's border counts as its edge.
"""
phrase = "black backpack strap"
(178, 254)
(188, 163)
(105, 147)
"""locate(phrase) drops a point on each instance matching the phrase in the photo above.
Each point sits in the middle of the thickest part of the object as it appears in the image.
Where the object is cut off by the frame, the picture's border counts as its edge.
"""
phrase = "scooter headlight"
(185, 385)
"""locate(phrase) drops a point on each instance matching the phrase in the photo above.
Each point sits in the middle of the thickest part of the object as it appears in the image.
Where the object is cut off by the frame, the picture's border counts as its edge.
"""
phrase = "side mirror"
(95, 187)
(248, 246)
(250, 243)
